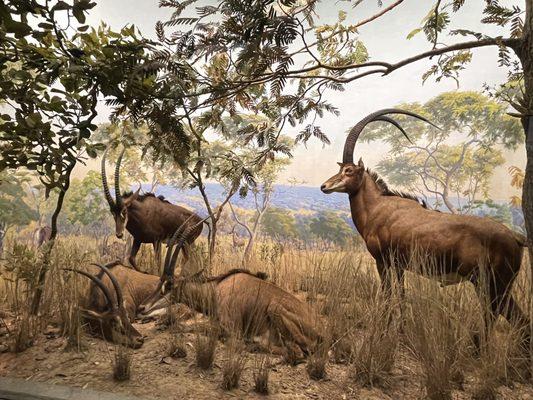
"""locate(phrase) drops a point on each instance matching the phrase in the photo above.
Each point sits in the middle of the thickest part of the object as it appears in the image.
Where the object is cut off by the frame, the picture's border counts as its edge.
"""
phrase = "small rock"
(166, 360)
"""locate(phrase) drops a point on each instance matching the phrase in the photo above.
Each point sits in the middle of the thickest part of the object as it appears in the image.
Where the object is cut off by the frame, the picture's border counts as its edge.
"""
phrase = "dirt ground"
(154, 375)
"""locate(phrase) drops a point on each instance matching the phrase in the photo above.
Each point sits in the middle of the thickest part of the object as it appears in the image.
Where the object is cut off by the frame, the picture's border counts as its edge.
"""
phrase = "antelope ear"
(340, 164)
(132, 198)
(135, 195)
(360, 163)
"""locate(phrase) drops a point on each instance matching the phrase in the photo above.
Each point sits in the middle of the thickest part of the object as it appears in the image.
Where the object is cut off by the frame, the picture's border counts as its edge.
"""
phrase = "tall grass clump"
(503, 357)
(176, 346)
(317, 361)
(19, 279)
(438, 327)
(122, 363)
(375, 347)
(205, 347)
(262, 374)
(234, 364)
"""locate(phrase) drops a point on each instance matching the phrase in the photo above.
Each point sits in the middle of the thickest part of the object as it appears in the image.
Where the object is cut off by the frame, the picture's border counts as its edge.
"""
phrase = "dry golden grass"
(262, 374)
(122, 364)
(205, 346)
(431, 326)
(234, 364)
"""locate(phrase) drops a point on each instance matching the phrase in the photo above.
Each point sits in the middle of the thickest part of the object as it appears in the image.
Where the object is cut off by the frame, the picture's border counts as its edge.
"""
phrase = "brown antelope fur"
(149, 219)
(245, 303)
(109, 312)
(395, 226)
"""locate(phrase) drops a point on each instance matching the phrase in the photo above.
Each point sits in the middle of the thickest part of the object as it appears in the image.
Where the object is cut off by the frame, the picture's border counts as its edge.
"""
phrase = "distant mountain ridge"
(299, 199)
(289, 197)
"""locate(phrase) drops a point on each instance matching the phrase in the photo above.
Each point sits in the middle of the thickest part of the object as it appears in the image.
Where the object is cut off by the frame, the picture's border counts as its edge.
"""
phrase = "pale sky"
(386, 41)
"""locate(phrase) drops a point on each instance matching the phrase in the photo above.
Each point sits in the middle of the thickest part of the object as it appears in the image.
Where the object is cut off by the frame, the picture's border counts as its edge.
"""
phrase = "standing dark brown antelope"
(395, 226)
(149, 219)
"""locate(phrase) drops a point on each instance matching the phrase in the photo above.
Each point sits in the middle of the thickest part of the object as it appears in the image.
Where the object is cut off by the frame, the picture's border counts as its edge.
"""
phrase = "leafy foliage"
(279, 223)
(437, 167)
(50, 80)
(84, 204)
(330, 227)
(14, 208)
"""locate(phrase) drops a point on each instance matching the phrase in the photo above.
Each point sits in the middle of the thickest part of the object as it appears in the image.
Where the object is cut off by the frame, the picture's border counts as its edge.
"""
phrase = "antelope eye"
(348, 171)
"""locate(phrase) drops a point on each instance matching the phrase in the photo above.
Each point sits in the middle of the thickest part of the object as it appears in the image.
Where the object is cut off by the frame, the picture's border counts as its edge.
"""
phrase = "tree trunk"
(213, 238)
(525, 53)
(3, 231)
(36, 302)
(251, 241)
(447, 202)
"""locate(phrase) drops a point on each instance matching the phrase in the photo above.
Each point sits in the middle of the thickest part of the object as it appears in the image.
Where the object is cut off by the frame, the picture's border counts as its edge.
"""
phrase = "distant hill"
(299, 199)
(295, 198)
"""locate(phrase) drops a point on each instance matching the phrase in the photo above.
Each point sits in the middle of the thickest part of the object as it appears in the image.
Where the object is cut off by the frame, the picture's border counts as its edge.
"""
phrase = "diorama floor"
(155, 375)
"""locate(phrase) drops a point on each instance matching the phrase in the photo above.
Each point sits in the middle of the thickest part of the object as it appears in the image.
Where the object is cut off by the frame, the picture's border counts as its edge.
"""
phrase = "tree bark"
(36, 302)
(525, 53)
(447, 202)
(3, 231)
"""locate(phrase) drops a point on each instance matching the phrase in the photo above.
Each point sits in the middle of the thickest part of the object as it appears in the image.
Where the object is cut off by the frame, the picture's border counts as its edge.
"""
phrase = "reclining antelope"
(395, 226)
(113, 299)
(149, 219)
(243, 303)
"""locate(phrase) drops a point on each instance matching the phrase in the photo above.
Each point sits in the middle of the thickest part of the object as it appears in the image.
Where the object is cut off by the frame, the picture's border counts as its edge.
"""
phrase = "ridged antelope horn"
(107, 193)
(117, 178)
(351, 140)
(391, 121)
(99, 283)
(170, 246)
(118, 289)
(181, 242)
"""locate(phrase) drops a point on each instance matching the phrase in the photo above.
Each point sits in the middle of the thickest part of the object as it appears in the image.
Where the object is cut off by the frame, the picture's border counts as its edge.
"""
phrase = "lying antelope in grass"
(244, 303)
(395, 227)
(113, 299)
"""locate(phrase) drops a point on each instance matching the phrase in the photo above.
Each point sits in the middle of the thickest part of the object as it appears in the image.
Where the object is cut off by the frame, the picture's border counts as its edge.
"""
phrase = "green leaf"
(61, 5)
(18, 28)
(78, 14)
(413, 33)
(91, 152)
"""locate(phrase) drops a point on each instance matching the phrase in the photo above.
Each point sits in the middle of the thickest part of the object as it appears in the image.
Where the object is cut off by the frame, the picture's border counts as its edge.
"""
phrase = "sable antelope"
(245, 303)
(395, 226)
(41, 235)
(149, 219)
(113, 299)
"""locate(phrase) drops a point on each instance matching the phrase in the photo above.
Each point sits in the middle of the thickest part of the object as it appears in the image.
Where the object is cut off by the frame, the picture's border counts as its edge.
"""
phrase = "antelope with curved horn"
(395, 226)
(242, 302)
(110, 315)
(149, 219)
